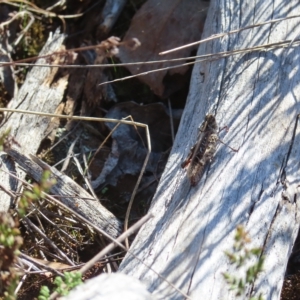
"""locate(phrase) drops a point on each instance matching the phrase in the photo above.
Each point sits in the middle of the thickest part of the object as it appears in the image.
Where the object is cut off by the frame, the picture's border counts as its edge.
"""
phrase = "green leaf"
(44, 293)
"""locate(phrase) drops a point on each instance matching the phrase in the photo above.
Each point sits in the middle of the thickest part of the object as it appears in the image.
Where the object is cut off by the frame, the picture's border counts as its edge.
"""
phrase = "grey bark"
(111, 287)
(79, 200)
(39, 93)
(8, 34)
(257, 96)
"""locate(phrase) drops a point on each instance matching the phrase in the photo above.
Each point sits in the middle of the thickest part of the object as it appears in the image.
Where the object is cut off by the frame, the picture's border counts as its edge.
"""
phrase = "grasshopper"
(202, 152)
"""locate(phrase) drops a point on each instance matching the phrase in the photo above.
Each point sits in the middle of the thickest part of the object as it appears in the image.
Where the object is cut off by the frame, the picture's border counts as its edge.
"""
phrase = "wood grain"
(257, 96)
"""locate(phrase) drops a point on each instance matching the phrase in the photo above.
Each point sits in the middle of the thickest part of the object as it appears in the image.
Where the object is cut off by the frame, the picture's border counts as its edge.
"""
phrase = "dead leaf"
(160, 26)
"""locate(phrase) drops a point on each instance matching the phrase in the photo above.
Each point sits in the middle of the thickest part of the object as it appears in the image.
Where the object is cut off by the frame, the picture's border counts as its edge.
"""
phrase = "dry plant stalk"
(202, 58)
(115, 242)
(220, 35)
(133, 43)
(132, 123)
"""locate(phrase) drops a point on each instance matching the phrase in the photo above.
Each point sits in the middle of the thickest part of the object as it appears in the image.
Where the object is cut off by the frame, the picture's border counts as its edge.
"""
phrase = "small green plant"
(10, 239)
(68, 282)
(239, 257)
(44, 293)
(63, 285)
(10, 243)
(38, 192)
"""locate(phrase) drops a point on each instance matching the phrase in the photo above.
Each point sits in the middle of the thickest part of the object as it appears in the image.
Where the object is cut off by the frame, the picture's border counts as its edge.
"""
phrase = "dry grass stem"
(59, 141)
(87, 181)
(111, 246)
(200, 58)
(215, 56)
(40, 264)
(33, 8)
(78, 118)
(220, 35)
(48, 241)
(123, 121)
(99, 230)
(69, 154)
(20, 14)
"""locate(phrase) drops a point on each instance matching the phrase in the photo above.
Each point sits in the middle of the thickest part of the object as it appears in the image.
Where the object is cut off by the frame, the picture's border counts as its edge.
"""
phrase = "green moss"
(33, 41)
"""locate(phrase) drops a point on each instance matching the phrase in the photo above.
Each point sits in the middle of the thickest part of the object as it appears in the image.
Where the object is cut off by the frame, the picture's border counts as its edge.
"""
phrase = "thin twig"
(40, 264)
(123, 121)
(93, 119)
(60, 140)
(200, 58)
(57, 227)
(102, 144)
(213, 56)
(8, 192)
(205, 57)
(136, 188)
(19, 14)
(47, 240)
(99, 230)
(111, 246)
(217, 36)
(23, 279)
(22, 33)
(22, 63)
(69, 154)
(32, 7)
(110, 42)
(87, 181)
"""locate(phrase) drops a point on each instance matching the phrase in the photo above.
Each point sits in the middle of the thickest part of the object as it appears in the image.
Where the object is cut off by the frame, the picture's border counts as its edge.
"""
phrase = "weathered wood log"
(40, 92)
(255, 94)
(71, 194)
(43, 91)
(111, 287)
(8, 34)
